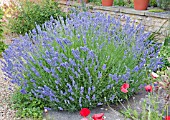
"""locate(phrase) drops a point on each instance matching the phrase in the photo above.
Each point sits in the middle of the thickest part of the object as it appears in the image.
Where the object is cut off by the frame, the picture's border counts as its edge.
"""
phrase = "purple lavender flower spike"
(94, 97)
(99, 103)
(60, 108)
(23, 91)
(99, 74)
(81, 90)
(87, 97)
(104, 67)
(71, 98)
(112, 98)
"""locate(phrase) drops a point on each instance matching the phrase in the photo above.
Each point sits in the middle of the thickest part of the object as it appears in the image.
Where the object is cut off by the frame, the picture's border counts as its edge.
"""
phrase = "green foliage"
(164, 4)
(156, 10)
(119, 2)
(3, 46)
(1, 15)
(165, 53)
(96, 2)
(149, 110)
(153, 3)
(27, 105)
(30, 14)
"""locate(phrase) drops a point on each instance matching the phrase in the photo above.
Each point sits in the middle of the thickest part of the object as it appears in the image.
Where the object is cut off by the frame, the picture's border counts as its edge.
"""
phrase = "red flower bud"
(148, 88)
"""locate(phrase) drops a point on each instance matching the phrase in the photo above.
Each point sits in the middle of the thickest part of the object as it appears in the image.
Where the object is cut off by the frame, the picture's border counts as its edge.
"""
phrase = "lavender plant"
(76, 63)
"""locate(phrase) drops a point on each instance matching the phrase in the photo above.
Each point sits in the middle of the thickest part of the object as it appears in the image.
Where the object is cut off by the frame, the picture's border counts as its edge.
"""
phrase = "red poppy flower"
(167, 118)
(84, 112)
(124, 87)
(98, 116)
(148, 88)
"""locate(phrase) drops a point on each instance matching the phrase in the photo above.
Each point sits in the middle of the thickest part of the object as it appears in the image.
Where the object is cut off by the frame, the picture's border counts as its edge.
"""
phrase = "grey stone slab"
(109, 114)
(109, 8)
(159, 15)
(132, 11)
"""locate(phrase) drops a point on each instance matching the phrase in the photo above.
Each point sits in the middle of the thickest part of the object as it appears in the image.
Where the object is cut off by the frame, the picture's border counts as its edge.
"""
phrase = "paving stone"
(109, 114)
(159, 15)
(131, 11)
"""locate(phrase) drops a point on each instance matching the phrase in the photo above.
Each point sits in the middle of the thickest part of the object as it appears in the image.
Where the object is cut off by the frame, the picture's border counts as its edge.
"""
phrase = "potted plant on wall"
(107, 2)
(141, 4)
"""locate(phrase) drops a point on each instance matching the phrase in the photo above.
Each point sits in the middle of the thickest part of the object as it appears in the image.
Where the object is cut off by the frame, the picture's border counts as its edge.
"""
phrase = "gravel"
(5, 112)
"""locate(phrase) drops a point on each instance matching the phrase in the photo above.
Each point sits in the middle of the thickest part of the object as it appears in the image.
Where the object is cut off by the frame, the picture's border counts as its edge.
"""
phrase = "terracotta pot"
(107, 2)
(86, 1)
(141, 4)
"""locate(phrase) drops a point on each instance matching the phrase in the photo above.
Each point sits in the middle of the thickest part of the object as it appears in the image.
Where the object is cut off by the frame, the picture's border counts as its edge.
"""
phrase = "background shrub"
(32, 13)
(1, 30)
(153, 3)
(2, 44)
(78, 62)
(164, 4)
(165, 54)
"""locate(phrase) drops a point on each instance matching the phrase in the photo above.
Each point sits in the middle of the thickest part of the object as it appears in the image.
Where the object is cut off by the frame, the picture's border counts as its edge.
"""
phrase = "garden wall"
(152, 21)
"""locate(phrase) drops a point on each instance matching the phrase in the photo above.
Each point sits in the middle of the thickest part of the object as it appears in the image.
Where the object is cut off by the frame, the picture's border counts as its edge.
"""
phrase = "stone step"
(109, 114)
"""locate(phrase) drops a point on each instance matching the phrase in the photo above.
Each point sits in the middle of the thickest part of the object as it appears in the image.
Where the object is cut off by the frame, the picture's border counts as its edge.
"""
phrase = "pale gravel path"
(5, 112)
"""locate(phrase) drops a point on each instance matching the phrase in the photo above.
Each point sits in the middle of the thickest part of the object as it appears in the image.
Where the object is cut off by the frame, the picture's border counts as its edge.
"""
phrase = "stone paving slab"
(109, 114)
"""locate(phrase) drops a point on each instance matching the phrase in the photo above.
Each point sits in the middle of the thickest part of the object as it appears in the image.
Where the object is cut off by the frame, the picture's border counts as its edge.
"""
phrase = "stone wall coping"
(165, 15)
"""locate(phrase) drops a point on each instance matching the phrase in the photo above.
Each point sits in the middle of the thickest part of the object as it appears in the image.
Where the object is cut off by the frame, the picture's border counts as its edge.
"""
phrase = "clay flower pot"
(86, 1)
(107, 2)
(141, 4)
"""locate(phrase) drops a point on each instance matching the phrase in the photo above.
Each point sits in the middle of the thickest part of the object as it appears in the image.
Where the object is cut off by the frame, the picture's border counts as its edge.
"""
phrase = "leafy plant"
(119, 2)
(3, 46)
(96, 2)
(156, 10)
(165, 54)
(164, 84)
(148, 111)
(75, 63)
(153, 3)
(164, 4)
(32, 13)
(1, 30)
(27, 105)
(10, 11)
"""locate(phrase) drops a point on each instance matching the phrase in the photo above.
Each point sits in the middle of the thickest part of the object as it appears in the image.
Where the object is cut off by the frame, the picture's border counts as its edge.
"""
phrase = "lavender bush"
(77, 63)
